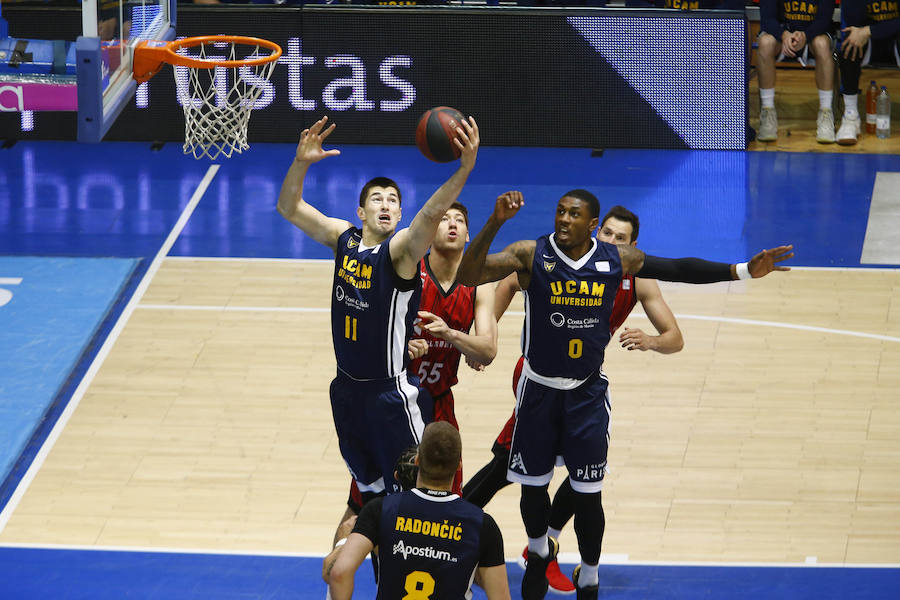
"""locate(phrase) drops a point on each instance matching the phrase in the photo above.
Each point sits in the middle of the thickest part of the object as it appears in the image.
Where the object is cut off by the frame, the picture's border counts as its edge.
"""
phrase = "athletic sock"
(540, 546)
(825, 98)
(850, 106)
(588, 575)
(767, 97)
(554, 533)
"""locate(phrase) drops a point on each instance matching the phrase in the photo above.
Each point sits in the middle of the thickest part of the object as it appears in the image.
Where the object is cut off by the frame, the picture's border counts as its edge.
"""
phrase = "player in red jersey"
(619, 226)
(448, 311)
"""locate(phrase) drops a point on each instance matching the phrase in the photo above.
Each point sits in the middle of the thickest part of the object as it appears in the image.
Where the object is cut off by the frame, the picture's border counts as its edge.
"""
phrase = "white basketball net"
(217, 101)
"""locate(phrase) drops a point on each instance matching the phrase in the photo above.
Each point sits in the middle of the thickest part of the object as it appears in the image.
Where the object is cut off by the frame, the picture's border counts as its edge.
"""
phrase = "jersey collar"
(435, 495)
(575, 264)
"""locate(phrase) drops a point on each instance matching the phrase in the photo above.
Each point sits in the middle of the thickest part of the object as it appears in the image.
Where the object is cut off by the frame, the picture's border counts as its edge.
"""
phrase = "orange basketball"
(436, 131)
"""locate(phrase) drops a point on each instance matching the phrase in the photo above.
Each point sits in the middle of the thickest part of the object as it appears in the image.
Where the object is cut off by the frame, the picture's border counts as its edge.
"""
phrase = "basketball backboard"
(104, 53)
(92, 75)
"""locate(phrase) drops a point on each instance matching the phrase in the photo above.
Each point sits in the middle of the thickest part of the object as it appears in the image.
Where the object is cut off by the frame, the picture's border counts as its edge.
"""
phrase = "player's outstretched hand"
(764, 263)
(417, 348)
(508, 204)
(467, 140)
(309, 149)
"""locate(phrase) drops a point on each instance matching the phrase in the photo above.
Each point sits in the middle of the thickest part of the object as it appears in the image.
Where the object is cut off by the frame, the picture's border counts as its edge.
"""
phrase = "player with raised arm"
(448, 312)
(375, 297)
(619, 226)
(570, 281)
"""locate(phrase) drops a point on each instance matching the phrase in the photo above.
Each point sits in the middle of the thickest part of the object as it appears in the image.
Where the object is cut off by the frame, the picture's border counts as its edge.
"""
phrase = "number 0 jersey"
(372, 309)
(438, 368)
(429, 544)
(568, 307)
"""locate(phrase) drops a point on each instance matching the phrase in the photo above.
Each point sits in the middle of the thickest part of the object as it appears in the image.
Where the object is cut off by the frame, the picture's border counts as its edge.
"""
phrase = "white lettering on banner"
(12, 93)
(386, 73)
(356, 82)
(340, 94)
(6, 295)
(295, 61)
(249, 75)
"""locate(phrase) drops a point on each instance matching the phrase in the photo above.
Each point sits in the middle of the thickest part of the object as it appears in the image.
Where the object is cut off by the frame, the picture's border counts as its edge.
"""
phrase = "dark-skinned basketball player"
(375, 298)
(618, 226)
(569, 281)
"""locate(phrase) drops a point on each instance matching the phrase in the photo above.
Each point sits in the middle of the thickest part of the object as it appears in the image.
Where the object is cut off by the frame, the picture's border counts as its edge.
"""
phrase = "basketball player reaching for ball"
(448, 311)
(432, 543)
(569, 281)
(619, 226)
(375, 296)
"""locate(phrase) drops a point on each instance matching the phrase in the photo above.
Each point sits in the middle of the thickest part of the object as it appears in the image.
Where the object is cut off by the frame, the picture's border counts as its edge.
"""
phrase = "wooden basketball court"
(773, 436)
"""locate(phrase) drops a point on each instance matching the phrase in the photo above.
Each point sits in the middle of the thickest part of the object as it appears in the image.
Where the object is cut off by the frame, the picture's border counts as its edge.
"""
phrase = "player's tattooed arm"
(339, 573)
(477, 267)
(515, 258)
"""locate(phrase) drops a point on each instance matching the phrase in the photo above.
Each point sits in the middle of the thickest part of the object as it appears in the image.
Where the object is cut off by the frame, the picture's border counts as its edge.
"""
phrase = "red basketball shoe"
(559, 582)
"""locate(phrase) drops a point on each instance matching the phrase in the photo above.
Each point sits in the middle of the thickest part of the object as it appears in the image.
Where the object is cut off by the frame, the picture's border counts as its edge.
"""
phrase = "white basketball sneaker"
(825, 126)
(848, 132)
(768, 125)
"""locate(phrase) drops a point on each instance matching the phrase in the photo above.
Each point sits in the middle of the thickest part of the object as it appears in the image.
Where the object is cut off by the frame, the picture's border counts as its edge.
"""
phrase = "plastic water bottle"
(871, 108)
(883, 120)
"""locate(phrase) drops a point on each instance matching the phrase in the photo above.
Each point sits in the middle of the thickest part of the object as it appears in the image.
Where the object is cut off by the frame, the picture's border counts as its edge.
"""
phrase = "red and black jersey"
(456, 306)
(626, 299)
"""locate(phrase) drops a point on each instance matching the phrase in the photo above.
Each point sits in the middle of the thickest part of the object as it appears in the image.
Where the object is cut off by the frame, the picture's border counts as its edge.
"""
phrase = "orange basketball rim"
(150, 55)
(218, 86)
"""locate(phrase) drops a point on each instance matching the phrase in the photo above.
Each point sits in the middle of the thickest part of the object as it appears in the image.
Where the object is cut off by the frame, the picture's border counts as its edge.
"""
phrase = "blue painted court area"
(104, 574)
(49, 310)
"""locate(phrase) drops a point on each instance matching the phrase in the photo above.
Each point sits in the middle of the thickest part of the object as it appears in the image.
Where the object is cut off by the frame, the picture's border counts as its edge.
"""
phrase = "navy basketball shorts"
(572, 423)
(375, 421)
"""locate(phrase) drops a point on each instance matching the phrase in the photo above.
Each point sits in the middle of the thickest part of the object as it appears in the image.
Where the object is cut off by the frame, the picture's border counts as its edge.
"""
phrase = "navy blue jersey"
(430, 544)
(372, 309)
(700, 4)
(882, 17)
(568, 307)
(811, 16)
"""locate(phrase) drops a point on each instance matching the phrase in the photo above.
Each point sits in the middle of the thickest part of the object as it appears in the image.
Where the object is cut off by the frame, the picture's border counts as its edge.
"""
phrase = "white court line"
(252, 259)
(287, 309)
(880, 246)
(565, 557)
(104, 351)
(873, 336)
(331, 261)
(518, 313)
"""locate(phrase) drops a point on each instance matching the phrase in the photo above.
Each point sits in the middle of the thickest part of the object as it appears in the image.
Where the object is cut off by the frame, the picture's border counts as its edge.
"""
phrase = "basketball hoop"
(218, 79)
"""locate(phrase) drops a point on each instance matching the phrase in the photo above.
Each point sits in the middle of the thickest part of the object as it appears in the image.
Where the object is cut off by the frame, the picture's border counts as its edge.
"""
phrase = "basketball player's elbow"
(340, 574)
(467, 276)
(287, 210)
(484, 356)
(674, 343)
